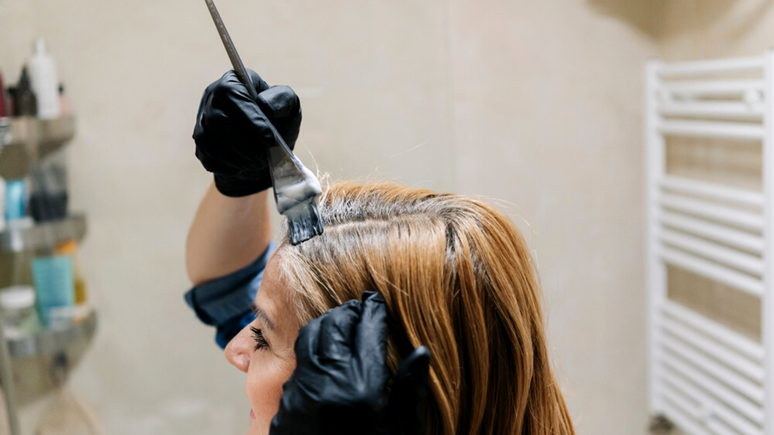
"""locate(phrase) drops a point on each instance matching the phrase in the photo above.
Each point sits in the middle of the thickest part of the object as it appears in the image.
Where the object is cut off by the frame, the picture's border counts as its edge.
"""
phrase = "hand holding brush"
(232, 131)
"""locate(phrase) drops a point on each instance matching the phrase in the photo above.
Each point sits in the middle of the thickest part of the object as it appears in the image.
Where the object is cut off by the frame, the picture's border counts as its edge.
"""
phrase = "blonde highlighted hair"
(458, 278)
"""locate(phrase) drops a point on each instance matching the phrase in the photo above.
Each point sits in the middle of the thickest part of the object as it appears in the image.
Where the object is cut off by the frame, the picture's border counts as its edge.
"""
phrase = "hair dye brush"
(296, 190)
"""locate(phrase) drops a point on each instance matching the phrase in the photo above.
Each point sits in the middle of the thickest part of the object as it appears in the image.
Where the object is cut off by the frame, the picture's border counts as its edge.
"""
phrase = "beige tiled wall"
(536, 105)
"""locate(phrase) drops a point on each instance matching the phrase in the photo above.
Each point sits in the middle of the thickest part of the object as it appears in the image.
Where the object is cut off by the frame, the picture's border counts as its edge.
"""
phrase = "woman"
(454, 273)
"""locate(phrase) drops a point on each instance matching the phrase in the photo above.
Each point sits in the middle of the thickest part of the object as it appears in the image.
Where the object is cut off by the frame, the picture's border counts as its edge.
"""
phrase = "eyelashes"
(260, 342)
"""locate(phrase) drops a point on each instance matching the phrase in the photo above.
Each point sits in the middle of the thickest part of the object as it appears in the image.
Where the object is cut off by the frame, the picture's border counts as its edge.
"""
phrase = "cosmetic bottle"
(44, 81)
(19, 316)
(70, 248)
(24, 101)
(54, 285)
(15, 198)
(48, 189)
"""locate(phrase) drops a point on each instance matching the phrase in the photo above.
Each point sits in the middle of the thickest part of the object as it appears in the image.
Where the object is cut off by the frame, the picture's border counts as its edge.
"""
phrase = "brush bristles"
(304, 222)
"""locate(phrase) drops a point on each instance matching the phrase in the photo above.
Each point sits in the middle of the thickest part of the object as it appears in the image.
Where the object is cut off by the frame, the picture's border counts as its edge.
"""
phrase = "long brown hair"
(458, 278)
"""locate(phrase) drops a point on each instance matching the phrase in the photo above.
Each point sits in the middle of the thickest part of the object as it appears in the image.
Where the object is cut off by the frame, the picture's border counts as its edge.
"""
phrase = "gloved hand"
(232, 133)
(339, 386)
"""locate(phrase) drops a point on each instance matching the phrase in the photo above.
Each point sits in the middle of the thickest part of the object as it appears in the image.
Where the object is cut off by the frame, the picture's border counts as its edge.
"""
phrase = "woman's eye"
(260, 342)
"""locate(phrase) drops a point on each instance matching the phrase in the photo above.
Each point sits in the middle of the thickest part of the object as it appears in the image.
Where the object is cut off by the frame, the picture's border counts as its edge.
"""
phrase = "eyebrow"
(261, 314)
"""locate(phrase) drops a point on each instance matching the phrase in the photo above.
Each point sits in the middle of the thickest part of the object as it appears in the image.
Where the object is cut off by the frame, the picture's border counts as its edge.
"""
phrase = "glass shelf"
(42, 235)
(25, 140)
(41, 363)
(51, 342)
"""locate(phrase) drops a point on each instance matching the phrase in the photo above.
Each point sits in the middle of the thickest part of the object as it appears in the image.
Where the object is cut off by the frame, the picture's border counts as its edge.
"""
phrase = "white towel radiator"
(705, 377)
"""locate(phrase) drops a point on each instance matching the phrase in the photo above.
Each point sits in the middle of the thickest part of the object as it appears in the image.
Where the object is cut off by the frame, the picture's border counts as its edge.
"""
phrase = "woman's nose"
(238, 350)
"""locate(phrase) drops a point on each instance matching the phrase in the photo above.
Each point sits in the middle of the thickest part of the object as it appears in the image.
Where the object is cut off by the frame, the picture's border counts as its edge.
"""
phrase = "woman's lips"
(252, 415)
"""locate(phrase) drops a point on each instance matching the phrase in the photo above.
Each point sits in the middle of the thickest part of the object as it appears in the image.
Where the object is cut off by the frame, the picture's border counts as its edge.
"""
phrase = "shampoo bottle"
(45, 83)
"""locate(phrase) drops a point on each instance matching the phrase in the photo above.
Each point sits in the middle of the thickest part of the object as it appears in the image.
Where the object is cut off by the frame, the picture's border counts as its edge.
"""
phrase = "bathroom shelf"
(32, 366)
(43, 235)
(51, 342)
(42, 363)
(25, 140)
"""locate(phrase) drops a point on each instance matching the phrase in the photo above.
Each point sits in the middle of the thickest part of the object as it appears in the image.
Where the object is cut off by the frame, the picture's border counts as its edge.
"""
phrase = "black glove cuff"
(237, 187)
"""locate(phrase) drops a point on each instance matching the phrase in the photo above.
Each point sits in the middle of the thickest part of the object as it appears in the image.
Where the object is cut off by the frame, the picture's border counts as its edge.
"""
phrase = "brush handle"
(236, 61)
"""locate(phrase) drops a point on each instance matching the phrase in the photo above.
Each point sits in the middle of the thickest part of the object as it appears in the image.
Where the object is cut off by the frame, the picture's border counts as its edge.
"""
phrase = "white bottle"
(45, 83)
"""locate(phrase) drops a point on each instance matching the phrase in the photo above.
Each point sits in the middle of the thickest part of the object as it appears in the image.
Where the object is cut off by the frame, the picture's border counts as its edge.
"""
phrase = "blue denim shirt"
(225, 302)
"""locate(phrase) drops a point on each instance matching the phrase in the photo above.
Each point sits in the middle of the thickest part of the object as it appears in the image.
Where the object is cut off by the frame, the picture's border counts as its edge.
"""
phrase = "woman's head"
(458, 278)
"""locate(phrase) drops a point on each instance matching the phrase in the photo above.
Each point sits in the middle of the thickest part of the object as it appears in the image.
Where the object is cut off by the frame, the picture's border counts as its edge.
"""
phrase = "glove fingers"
(415, 369)
(410, 391)
(227, 105)
(307, 341)
(230, 88)
(371, 334)
(279, 102)
(258, 82)
(337, 331)
(283, 108)
(242, 109)
(218, 157)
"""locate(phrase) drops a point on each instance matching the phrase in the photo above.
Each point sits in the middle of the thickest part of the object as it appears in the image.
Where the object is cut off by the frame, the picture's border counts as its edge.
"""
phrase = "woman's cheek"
(265, 390)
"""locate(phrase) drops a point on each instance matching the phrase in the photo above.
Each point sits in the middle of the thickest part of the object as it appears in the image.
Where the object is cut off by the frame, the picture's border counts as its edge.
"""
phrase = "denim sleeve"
(225, 302)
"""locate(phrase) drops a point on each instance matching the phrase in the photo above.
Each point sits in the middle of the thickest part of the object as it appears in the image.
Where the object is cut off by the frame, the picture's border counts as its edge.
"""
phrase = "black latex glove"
(232, 133)
(339, 386)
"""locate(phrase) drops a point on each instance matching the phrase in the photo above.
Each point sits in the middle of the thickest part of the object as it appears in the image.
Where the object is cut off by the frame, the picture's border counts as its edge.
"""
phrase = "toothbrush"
(296, 190)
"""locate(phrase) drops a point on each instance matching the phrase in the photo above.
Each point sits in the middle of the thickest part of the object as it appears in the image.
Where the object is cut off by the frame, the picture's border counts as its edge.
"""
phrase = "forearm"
(227, 234)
